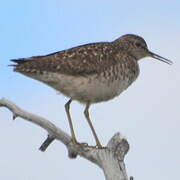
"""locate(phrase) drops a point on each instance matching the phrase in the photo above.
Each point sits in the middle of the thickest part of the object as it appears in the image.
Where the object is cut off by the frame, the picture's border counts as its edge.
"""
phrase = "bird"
(90, 73)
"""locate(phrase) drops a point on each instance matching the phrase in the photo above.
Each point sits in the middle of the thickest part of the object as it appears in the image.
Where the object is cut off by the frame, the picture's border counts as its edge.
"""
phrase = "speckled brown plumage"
(89, 73)
(81, 60)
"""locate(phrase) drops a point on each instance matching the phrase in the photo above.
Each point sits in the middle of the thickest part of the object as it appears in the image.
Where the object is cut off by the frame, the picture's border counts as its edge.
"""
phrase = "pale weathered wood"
(110, 159)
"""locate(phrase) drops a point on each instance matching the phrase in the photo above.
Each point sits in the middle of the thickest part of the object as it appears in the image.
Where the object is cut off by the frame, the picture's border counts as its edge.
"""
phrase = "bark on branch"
(110, 159)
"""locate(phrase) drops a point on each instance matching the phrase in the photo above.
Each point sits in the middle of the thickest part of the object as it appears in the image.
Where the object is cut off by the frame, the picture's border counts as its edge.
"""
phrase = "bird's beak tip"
(153, 55)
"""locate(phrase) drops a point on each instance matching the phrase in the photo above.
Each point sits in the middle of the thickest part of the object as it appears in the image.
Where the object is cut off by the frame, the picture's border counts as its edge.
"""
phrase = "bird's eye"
(138, 44)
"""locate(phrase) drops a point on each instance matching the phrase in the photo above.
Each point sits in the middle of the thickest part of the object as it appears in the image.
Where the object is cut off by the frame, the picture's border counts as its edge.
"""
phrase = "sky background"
(148, 113)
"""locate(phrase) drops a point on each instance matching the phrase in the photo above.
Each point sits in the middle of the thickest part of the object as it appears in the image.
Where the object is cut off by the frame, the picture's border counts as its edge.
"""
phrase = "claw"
(99, 147)
(84, 144)
(75, 142)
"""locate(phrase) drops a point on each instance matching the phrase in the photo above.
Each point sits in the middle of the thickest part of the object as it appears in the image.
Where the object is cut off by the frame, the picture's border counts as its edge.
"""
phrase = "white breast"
(92, 88)
(86, 89)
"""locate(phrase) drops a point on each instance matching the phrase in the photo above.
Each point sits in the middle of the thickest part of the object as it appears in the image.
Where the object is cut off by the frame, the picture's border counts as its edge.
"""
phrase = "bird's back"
(80, 60)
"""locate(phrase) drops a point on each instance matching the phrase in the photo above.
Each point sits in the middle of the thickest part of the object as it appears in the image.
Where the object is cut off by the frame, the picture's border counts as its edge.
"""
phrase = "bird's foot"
(98, 146)
(75, 142)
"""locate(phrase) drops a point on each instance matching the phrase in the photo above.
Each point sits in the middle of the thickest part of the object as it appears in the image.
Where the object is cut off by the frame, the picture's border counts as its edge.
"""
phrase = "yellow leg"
(86, 113)
(67, 107)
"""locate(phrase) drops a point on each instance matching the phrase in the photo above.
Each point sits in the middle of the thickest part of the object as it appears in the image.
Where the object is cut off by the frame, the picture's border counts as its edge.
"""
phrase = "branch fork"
(110, 158)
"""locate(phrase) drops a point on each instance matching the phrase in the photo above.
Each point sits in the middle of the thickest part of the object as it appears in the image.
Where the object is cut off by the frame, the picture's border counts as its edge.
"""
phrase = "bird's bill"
(153, 55)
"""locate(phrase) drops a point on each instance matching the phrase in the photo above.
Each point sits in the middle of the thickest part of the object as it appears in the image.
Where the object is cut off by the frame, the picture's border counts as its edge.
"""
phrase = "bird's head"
(137, 47)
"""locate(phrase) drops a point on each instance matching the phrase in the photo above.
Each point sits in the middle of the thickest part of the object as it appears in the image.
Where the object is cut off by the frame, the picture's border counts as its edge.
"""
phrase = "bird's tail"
(19, 61)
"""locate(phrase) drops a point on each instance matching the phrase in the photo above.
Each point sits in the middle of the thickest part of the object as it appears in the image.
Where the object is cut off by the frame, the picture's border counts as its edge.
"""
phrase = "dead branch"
(110, 159)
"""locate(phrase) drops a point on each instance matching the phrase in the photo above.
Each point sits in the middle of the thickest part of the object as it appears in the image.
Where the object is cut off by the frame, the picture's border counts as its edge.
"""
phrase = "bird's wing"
(82, 60)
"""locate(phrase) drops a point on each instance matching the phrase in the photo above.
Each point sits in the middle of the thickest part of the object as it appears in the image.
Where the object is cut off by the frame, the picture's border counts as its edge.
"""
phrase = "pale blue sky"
(147, 113)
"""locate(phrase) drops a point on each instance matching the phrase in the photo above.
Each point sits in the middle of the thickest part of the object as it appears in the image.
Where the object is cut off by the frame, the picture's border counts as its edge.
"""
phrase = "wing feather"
(82, 60)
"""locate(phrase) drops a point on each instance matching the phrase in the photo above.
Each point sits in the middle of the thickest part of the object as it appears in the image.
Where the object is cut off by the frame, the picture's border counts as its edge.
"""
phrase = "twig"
(46, 143)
